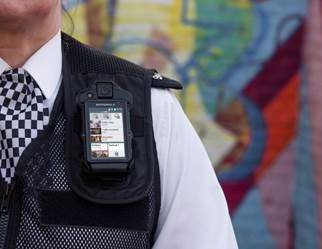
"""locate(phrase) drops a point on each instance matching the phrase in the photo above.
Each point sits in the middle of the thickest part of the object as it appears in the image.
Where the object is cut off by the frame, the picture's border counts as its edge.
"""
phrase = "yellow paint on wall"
(191, 101)
(182, 33)
(239, 3)
(80, 26)
(102, 15)
(218, 140)
(78, 15)
(139, 18)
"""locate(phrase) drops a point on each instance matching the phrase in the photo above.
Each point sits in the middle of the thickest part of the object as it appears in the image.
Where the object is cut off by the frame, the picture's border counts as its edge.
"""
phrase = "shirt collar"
(45, 65)
(3, 66)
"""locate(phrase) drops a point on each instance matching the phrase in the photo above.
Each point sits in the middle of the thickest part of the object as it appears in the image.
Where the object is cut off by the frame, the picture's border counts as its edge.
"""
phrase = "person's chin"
(19, 10)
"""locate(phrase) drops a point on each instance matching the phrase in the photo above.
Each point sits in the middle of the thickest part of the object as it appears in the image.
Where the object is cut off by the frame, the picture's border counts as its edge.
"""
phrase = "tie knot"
(16, 75)
(17, 90)
(17, 79)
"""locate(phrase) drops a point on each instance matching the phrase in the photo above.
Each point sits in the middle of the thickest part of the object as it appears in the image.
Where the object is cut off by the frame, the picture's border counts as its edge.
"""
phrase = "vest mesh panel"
(47, 171)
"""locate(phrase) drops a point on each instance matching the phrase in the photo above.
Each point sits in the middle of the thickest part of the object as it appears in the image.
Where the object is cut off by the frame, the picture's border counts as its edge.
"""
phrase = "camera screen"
(106, 131)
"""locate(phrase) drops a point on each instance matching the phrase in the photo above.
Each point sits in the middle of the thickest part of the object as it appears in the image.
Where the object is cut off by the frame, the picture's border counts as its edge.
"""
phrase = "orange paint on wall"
(280, 118)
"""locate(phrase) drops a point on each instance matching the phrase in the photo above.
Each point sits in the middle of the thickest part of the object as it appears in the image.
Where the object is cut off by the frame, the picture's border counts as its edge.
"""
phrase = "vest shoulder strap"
(85, 59)
(159, 81)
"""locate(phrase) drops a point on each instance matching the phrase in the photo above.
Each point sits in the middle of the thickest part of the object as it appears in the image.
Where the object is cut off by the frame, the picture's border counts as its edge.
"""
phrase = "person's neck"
(18, 46)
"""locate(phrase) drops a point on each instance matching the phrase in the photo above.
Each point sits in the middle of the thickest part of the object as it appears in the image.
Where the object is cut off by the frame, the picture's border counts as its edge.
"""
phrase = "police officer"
(169, 198)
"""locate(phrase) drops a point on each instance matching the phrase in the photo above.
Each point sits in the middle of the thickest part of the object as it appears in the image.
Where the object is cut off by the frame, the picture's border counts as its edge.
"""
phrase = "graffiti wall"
(250, 69)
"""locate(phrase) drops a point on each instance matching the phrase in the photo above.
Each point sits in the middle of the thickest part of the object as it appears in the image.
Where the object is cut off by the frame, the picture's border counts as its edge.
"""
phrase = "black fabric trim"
(152, 157)
(137, 126)
(157, 193)
(166, 83)
(67, 209)
(14, 217)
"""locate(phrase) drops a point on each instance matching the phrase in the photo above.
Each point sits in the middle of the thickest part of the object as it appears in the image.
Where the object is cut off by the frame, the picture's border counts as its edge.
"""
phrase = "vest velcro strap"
(67, 209)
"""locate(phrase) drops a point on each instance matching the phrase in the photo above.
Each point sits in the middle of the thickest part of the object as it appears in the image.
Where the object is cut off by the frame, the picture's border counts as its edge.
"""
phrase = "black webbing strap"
(159, 81)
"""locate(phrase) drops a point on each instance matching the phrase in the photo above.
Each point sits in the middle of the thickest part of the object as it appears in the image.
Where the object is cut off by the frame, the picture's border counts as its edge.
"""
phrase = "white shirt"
(194, 213)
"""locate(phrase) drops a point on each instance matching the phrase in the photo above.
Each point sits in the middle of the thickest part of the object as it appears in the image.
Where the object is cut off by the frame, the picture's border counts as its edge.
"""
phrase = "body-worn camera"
(106, 124)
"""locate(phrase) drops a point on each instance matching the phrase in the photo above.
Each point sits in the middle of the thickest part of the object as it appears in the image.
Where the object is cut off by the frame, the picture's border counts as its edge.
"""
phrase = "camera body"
(107, 135)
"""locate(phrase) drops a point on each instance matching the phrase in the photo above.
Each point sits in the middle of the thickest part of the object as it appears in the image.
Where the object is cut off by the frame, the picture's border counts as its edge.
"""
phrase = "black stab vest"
(53, 204)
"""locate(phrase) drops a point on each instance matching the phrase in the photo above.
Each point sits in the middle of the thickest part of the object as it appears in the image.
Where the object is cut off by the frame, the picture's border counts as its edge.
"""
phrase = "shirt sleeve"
(194, 213)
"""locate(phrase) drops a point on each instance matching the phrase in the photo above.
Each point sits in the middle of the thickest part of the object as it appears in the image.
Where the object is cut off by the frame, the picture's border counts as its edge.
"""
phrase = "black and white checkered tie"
(23, 112)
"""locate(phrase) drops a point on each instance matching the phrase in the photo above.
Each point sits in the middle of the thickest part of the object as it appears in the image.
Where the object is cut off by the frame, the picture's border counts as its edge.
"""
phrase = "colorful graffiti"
(249, 92)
